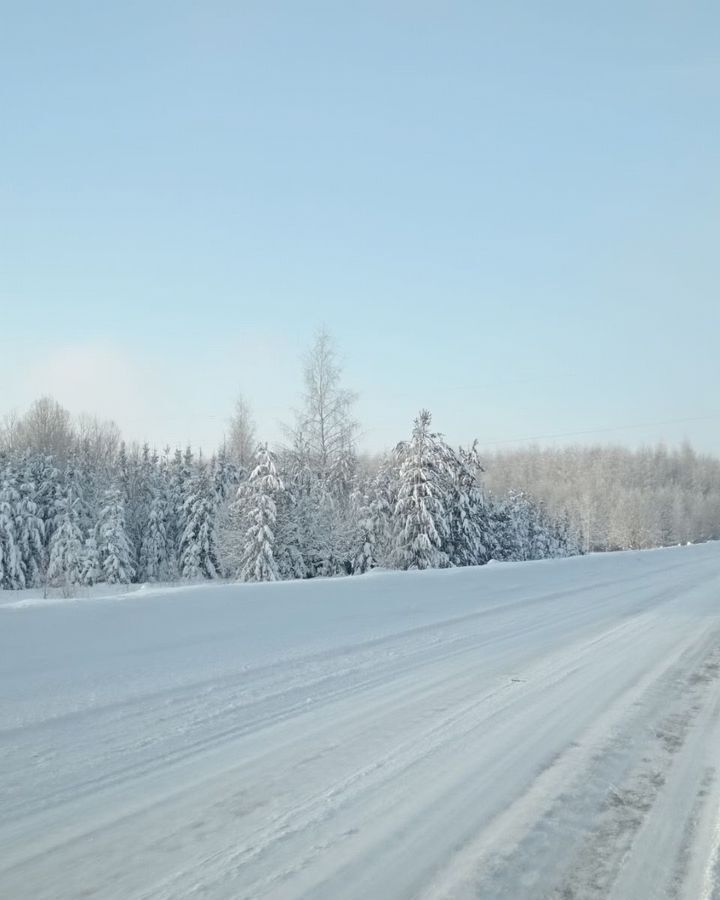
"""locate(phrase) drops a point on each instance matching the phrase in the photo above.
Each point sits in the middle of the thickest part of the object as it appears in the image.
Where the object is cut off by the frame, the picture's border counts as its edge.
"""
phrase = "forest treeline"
(79, 507)
(618, 499)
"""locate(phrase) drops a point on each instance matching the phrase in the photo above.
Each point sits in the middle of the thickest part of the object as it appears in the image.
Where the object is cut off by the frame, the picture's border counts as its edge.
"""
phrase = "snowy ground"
(536, 730)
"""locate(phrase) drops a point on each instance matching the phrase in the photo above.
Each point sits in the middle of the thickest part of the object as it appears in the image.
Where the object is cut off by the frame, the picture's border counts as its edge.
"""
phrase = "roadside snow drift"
(517, 731)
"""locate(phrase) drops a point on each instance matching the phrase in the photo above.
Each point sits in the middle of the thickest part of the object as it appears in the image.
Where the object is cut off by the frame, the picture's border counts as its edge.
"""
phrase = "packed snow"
(523, 730)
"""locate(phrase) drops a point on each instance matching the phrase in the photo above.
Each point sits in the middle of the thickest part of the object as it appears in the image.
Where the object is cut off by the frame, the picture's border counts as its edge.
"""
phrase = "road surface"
(533, 730)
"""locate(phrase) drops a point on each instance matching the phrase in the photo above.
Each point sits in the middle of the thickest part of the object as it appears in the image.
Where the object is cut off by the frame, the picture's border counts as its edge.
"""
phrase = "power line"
(547, 437)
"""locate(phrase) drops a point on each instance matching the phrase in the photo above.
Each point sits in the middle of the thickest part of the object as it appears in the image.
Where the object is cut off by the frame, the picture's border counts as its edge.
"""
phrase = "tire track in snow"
(415, 750)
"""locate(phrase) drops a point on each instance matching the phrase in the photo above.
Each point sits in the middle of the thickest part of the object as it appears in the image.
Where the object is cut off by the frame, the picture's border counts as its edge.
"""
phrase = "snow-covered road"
(534, 730)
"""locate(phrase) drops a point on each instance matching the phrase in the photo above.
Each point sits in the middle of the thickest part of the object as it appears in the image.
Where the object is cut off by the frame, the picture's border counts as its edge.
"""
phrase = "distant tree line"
(616, 498)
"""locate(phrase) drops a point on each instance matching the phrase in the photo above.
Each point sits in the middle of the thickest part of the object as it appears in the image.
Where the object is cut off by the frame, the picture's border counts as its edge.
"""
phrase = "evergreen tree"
(383, 496)
(114, 547)
(42, 473)
(168, 488)
(287, 552)
(77, 483)
(225, 476)
(91, 571)
(181, 487)
(317, 528)
(421, 522)
(258, 562)
(66, 547)
(153, 563)
(30, 532)
(12, 575)
(469, 539)
(518, 545)
(197, 541)
(365, 556)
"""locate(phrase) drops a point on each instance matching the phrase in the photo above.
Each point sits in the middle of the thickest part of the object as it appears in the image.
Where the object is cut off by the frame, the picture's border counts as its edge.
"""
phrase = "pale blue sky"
(508, 212)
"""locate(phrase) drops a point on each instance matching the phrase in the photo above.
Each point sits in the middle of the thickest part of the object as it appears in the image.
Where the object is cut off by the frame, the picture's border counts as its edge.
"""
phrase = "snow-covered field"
(532, 730)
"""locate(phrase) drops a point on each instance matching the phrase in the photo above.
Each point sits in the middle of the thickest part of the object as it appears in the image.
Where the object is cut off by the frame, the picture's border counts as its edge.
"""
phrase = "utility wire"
(564, 434)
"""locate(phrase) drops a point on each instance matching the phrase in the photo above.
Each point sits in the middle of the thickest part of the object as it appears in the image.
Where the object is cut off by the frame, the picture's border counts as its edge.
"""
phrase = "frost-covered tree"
(156, 519)
(421, 525)
(288, 540)
(525, 531)
(66, 546)
(469, 538)
(617, 498)
(383, 494)
(113, 544)
(365, 555)
(258, 499)
(154, 552)
(97, 444)
(30, 530)
(518, 538)
(91, 570)
(197, 541)
(181, 485)
(319, 527)
(12, 575)
(41, 472)
(46, 428)
(325, 428)
(77, 482)
(241, 443)
(225, 476)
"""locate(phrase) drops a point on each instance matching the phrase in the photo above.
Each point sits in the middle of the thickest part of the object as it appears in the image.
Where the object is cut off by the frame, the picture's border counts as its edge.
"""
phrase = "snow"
(524, 730)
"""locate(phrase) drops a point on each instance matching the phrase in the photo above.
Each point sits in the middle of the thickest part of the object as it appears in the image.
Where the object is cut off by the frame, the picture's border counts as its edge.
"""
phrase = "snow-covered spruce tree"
(113, 543)
(197, 541)
(229, 514)
(138, 507)
(421, 527)
(156, 558)
(77, 484)
(66, 546)
(383, 496)
(136, 485)
(518, 538)
(165, 490)
(544, 543)
(30, 531)
(258, 499)
(153, 562)
(182, 473)
(365, 555)
(91, 571)
(12, 576)
(290, 561)
(528, 532)
(225, 476)
(228, 537)
(41, 471)
(569, 539)
(343, 473)
(469, 540)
